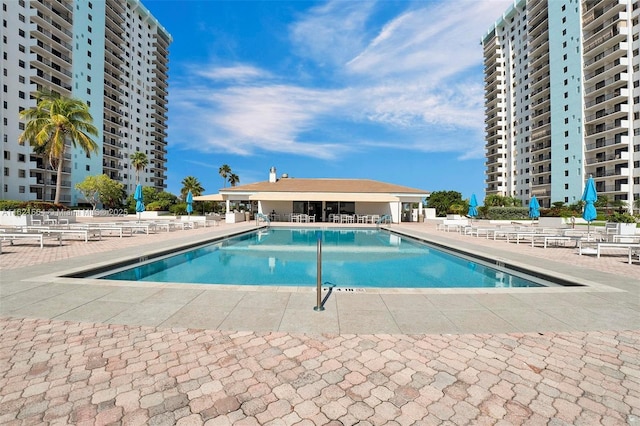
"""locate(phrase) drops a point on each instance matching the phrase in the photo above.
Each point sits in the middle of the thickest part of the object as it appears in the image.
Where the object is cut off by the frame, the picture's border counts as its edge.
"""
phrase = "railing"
(385, 218)
(264, 218)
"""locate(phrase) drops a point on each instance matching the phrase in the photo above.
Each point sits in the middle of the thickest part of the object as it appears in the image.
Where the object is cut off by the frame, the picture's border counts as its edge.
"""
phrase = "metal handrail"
(264, 218)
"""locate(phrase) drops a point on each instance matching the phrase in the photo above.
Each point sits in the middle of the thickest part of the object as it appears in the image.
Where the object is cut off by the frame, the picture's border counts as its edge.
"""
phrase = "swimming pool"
(352, 258)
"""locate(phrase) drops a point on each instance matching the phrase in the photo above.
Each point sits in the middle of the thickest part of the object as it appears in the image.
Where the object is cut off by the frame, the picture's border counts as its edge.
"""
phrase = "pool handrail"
(264, 218)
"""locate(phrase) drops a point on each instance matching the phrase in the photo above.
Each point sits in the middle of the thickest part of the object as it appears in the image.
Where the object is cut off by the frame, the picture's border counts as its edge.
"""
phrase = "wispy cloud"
(237, 73)
(332, 33)
(416, 74)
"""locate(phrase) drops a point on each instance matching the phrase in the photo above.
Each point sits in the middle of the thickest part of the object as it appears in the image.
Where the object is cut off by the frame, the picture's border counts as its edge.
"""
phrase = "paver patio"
(578, 363)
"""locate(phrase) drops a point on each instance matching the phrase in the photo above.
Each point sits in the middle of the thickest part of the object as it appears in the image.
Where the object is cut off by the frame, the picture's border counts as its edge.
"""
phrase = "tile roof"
(326, 185)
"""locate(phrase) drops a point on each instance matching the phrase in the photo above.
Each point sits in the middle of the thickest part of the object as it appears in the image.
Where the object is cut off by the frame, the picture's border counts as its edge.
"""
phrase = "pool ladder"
(264, 218)
(383, 219)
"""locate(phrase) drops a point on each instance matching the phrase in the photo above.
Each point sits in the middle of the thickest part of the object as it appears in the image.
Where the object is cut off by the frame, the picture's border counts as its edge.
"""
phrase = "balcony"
(610, 83)
(618, 111)
(598, 12)
(608, 70)
(605, 129)
(612, 36)
(606, 158)
(603, 143)
(617, 172)
(541, 146)
(497, 152)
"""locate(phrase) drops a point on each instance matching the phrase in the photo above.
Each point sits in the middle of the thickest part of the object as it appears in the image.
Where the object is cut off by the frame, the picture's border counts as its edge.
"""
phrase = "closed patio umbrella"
(473, 207)
(534, 208)
(589, 196)
(139, 200)
(189, 201)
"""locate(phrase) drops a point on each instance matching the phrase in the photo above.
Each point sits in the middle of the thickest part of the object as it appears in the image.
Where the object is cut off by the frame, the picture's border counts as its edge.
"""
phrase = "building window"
(21, 189)
(22, 173)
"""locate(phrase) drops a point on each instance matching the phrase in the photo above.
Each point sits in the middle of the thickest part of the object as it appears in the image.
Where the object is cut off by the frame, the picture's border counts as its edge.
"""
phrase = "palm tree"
(234, 179)
(224, 172)
(192, 184)
(54, 121)
(139, 161)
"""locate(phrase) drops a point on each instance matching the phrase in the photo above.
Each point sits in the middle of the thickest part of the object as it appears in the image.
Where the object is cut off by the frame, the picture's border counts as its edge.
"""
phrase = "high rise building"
(562, 100)
(112, 54)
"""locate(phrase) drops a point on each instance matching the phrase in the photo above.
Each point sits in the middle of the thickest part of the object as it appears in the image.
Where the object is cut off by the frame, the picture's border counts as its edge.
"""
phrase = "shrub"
(178, 209)
(621, 218)
(30, 207)
(155, 206)
(508, 213)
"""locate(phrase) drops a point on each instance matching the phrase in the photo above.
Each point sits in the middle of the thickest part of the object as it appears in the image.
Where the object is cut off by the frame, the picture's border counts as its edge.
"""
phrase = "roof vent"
(284, 176)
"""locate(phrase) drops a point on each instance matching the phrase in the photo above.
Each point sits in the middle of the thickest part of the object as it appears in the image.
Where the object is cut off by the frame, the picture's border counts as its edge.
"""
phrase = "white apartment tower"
(112, 54)
(562, 100)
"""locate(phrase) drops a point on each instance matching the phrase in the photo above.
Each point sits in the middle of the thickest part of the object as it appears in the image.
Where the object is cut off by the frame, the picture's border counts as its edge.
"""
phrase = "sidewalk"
(485, 369)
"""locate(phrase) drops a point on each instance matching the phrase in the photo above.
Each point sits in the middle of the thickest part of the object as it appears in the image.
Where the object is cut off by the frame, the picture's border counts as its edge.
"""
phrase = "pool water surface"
(352, 258)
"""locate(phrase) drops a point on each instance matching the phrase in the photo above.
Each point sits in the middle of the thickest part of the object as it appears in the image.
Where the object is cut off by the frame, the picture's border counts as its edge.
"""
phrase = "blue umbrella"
(589, 196)
(473, 204)
(189, 202)
(139, 200)
(534, 208)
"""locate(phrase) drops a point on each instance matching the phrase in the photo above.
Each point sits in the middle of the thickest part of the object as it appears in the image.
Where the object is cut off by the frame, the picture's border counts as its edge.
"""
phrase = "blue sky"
(389, 90)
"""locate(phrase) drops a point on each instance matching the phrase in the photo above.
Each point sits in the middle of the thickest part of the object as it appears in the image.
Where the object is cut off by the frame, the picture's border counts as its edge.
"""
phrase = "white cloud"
(332, 33)
(246, 119)
(417, 74)
(235, 73)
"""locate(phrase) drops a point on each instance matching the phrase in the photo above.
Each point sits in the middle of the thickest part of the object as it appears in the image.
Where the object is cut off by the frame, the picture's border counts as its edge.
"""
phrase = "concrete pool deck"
(197, 354)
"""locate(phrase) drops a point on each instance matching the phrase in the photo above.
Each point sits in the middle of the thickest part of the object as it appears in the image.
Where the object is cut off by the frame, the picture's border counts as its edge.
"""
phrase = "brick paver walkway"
(55, 372)
(73, 373)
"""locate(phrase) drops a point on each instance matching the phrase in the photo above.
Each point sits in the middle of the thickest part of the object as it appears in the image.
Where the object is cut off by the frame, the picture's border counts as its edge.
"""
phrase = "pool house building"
(322, 200)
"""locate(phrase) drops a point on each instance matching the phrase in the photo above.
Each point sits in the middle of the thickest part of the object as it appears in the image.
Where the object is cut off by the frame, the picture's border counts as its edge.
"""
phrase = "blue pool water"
(350, 258)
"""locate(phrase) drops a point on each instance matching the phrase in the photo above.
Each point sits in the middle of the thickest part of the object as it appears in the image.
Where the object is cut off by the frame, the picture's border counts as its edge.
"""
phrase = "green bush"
(178, 209)
(30, 207)
(621, 218)
(507, 213)
(154, 206)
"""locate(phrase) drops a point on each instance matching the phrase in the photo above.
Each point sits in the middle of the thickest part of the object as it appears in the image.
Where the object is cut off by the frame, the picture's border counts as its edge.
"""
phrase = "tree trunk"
(59, 179)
